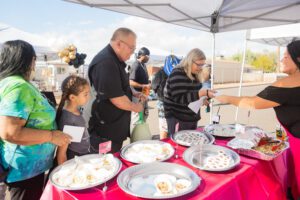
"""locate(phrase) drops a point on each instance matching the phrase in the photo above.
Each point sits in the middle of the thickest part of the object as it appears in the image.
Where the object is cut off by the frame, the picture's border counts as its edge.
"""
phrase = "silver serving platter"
(196, 155)
(85, 158)
(125, 148)
(209, 139)
(138, 180)
(254, 153)
(211, 129)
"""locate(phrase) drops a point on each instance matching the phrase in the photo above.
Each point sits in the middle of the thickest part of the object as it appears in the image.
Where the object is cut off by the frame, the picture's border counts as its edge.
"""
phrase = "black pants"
(29, 189)
(96, 140)
(172, 121)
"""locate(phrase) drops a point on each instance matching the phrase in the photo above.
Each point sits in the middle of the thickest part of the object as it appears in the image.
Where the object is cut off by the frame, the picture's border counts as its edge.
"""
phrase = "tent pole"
(278, 60)
(212, 74)
(242, 72)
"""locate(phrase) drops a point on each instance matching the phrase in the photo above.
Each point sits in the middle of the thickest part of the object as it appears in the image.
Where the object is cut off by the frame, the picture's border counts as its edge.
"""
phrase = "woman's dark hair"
(16, 58)
(71, 85)
(294, 51)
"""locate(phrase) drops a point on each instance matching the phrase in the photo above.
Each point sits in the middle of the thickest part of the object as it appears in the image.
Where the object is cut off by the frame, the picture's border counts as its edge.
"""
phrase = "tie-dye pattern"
(18, 98)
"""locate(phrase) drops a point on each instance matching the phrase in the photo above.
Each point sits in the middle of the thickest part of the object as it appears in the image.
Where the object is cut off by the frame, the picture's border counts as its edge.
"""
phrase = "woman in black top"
(183, 87)
(284, 97)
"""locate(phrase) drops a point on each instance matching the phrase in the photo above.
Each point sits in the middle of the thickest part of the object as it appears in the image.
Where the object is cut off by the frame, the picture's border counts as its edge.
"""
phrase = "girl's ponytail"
(60, 107)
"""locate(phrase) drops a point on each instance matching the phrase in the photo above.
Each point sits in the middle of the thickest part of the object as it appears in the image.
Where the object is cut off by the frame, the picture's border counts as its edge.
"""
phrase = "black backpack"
(158, 83)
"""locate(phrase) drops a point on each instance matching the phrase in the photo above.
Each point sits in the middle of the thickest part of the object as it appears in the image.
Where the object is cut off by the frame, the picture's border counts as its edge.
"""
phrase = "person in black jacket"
(157, 84)
(110, 115)
(183, 87)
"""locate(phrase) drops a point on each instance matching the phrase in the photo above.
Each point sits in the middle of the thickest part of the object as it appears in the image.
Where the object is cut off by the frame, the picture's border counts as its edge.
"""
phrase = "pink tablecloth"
(252, 179)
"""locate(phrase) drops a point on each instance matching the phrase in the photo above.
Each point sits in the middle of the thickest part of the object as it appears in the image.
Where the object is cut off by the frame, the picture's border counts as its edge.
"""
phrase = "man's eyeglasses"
(132, 48)
(199, 65)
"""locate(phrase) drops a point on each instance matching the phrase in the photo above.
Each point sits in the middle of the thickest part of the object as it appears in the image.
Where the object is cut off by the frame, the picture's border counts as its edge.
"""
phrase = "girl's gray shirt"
(68, 118)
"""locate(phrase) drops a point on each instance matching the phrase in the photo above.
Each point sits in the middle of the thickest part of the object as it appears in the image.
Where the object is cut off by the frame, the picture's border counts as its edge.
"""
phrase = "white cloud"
(88, 22)
(161, 37)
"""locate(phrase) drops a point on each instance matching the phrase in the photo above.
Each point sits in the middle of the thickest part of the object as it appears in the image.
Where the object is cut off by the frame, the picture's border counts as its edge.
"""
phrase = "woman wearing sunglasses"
(183, 87)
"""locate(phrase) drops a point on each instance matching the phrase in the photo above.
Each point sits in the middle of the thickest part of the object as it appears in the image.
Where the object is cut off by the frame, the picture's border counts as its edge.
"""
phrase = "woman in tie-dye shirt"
(28, 134)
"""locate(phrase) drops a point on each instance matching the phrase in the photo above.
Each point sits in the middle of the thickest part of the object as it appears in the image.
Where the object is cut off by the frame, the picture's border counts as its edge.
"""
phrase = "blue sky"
(60, 23)
(48, 15)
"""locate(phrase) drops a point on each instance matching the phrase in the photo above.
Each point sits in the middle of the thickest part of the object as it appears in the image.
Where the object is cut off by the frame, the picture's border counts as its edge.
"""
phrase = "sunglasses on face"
(199, 64)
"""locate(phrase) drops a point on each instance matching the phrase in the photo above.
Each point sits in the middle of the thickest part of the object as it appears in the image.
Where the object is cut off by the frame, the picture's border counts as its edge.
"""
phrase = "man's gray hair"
(122, 33)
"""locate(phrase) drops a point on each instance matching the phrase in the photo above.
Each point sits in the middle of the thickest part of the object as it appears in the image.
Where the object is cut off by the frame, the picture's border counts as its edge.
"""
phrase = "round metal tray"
(231, 130)
(85, 158)
(209, 138)
(212, 127)
(196, 155)
(138, 180)
(125, 149)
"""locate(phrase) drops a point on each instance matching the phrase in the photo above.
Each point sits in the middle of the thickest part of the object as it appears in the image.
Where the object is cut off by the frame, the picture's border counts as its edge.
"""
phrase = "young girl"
(75, 93)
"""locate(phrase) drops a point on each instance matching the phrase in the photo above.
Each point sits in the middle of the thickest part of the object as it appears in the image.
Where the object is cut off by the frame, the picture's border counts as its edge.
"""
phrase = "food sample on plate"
(148, 152)
(191, 138)
(166, 184)
(218, 161)
(82, 173)
(268, 145)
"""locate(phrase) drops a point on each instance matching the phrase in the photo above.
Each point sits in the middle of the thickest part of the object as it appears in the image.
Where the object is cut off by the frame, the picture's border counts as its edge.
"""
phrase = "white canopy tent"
(276, 36)
(43, 51)
(207, 15)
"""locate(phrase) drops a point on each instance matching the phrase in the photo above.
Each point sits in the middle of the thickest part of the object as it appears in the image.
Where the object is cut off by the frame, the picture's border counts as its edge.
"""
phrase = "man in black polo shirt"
(110, 115)
(139, 79)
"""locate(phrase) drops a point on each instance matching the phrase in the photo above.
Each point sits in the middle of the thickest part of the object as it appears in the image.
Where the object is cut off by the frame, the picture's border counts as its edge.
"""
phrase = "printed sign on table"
(105, 147)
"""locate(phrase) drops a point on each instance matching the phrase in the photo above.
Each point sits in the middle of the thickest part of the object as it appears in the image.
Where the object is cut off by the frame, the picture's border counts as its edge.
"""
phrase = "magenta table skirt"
(252, 179)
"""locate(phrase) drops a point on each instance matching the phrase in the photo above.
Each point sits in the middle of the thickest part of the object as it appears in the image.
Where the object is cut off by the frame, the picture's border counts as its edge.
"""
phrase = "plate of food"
(267, 148)
(158, 180)
(85, 171)
(231, 130)
(192, 137)
(146, 151)
(211, 158)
